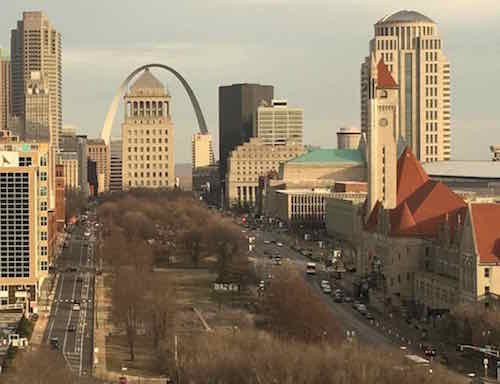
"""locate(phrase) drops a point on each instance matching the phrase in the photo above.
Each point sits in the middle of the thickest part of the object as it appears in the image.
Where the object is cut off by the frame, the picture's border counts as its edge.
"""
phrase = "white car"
(327, 289)
(279, 244)
(86, 234)
(76, 307)
(267, 242)
(324, 283)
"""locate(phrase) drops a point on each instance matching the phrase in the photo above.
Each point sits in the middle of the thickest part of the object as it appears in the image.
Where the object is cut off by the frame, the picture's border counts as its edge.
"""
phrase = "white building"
(278, 124)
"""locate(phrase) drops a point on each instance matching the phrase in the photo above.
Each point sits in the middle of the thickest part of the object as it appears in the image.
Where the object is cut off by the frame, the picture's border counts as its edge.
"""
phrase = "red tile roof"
(410, 177)
(371, 222)
(384, 77)
(486, 222)
(423, 205)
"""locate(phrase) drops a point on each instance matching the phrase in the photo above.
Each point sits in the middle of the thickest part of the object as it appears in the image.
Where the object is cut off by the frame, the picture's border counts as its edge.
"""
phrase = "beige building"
(304, 206)
(115, 174)
(251, 160)
(69, 160)
(202, 150)
(27, 177)
(147, 136)
(36, 46)
(37, 125)
(278, 123)
(5, 92)
(410, 45)
(348, 138)
(99, 152)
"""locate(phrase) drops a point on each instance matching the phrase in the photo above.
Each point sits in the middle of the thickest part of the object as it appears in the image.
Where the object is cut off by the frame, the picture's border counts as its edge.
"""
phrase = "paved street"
(349, 319)
(72, 327)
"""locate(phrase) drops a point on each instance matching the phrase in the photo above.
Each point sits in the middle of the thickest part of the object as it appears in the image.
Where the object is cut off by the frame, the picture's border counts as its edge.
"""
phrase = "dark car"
(54, 343)
(338, 298)
(71, 328)
(429, 351)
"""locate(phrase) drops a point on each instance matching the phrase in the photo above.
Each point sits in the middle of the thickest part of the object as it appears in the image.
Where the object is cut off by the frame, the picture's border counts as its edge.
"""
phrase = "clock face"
(383, 122)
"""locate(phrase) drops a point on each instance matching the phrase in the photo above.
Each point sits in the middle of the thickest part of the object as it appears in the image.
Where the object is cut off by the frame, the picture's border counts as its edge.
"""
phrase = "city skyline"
(104, 59)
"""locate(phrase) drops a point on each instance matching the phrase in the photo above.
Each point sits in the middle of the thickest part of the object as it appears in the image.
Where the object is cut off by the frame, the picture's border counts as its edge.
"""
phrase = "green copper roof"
(330, 156)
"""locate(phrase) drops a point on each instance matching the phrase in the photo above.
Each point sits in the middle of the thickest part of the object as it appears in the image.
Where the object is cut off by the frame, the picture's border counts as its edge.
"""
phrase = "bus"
(311, 268)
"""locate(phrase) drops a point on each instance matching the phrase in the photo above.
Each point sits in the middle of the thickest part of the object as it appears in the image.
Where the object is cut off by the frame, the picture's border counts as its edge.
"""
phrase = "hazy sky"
(310, 50)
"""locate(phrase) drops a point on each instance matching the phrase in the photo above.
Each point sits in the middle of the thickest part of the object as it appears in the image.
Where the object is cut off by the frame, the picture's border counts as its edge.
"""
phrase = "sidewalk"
(100, 320)
(47, 293)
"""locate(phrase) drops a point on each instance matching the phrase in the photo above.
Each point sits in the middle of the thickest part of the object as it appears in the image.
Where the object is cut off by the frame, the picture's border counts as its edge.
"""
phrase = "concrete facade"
(36, 46)
(348, 138)
(277, 124)
(115, 175)
(147, 136)
(69, 161)
(251, 160)
(411, 47)
(98, 151)
(202, 150)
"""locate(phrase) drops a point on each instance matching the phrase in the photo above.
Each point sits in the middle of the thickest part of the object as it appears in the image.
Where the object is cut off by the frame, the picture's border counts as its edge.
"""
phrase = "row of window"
(147, 174)
(146, 149)
(136, 132)
(148, 183)
(141, 141)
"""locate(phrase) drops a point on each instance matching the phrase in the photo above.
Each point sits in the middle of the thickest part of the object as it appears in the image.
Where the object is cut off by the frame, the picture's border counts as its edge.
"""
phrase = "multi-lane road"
(72, 313)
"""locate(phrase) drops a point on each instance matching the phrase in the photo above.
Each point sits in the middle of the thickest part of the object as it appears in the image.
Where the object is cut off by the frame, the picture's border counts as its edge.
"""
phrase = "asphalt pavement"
(73, 327)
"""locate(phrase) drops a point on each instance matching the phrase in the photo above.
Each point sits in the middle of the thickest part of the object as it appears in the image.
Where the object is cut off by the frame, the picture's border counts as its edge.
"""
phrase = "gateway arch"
(113, 108)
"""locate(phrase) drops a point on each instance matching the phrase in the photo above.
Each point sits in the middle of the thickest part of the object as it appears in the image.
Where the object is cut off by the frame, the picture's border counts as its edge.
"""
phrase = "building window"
(487, 290)
(43, 176)
(43, 206)
(43, 191)
(43, 236)
(43, 221)
(486, 272)
(43, 161)
(43, 250)
(44, 265)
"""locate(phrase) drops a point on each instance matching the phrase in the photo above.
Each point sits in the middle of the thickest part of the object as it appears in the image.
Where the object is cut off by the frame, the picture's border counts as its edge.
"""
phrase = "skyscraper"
(237, 110)
(411, 47)
(37, 124)
(5, 92)
(277, 123)
(36, 47)
(202, 150)
(98, 151)
(147, 136)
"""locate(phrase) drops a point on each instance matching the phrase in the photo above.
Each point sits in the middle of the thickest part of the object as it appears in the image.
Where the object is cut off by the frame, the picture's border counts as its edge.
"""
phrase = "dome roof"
(147, 81)
(405, 16)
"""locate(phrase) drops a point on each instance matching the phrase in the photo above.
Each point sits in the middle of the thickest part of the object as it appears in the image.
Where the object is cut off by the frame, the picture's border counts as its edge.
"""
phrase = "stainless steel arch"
(113, 108)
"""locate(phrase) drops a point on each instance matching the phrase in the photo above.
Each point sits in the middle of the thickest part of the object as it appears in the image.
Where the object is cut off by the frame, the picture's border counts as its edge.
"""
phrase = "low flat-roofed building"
(303, 206)
(324, 167)
(473, 180)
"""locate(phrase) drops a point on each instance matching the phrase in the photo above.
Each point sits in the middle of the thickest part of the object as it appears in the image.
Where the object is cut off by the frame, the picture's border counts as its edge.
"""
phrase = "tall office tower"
(411, 47)
(98, 151)
(82, 151)
(37, 124)
(237, 110)
(5, 92)
(202, 150)
(36, 46)
(115, 175)
(147, 136)
(277, 124)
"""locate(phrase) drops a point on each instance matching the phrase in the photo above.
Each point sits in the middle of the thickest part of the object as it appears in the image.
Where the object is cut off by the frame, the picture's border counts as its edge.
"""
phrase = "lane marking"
(55, 310)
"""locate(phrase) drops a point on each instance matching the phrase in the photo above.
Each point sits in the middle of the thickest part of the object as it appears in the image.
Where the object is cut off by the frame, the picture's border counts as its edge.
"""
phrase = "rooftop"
(330, 155)
(487, 231)
(464, 169)
(405, 16)
(147, 81)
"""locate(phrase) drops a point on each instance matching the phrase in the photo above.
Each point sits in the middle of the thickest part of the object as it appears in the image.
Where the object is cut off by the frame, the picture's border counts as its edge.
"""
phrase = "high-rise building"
(411, 47)
(98, 151)
(27, 192)
(115, 175)
(5, 92)
(202, 150)
(82, 152)
(277, 124)
(147, 135)
(36, 47)
(37, 124)
(237, 110)
(348, 138)
(69, 161)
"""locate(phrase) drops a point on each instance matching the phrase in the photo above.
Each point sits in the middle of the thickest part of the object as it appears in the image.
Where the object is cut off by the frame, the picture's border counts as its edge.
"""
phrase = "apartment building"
(202, 150)
(277, 124)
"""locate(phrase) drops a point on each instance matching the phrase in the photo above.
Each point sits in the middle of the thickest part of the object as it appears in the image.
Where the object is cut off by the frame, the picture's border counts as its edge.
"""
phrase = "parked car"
(324, 282)
(338, 298)
(279, 244)
(267, 242)
(347, 299)
(71, 328)
(369, 316)
(277, 260)
(327, 290)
